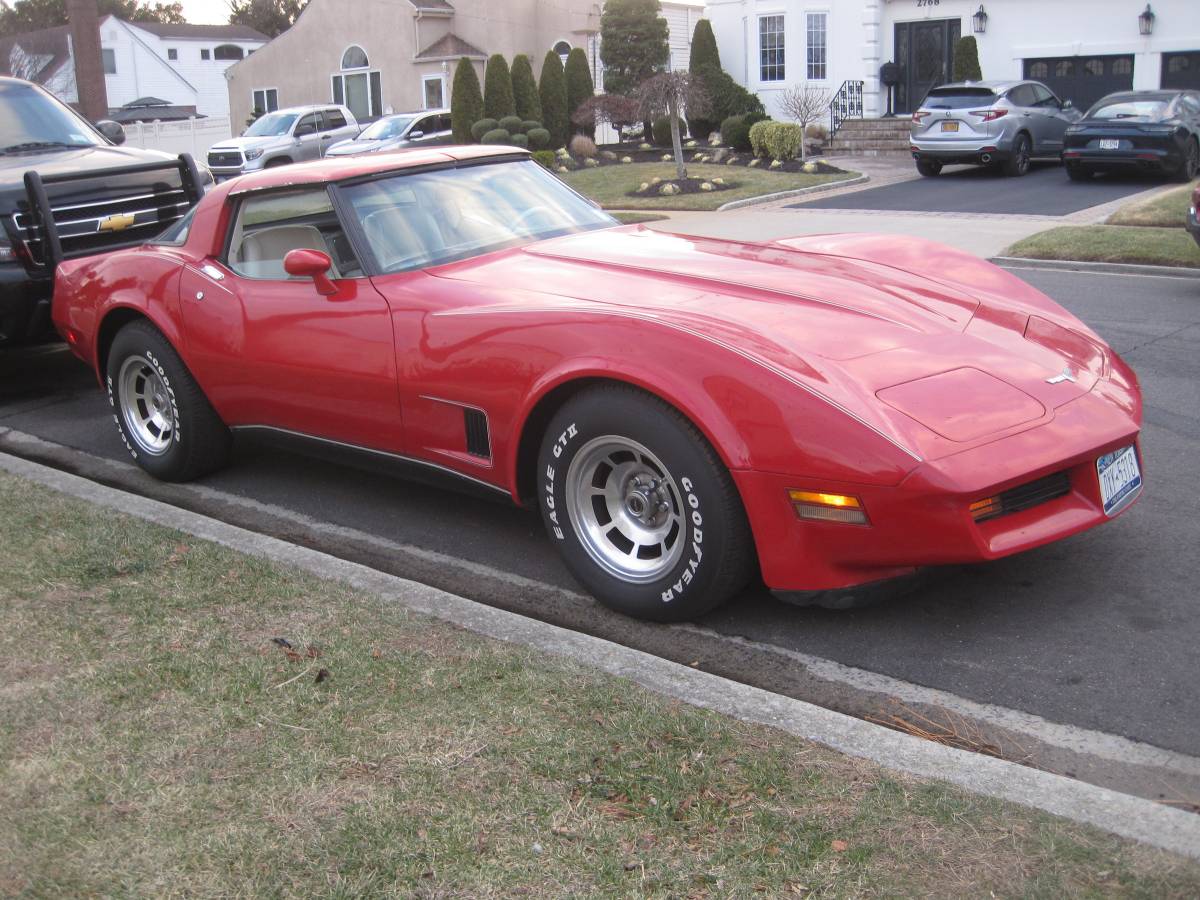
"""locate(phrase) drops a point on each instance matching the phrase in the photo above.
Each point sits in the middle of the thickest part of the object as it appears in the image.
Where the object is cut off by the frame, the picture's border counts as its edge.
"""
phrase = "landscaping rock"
(626, 159)
(776, 164)
(754, 162)
(607, 154)
(667, 157)
(644, 146)
(591, 163)
(668, 190)
(720, 154)
(706, 186)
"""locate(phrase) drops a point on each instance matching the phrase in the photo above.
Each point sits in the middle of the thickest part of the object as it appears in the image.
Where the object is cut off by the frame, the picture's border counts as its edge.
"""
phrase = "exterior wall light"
(979, 20)
(1146, 21)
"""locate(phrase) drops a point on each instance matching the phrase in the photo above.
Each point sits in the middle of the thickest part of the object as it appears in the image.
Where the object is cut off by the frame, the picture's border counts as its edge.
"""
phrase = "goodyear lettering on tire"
(693, 563)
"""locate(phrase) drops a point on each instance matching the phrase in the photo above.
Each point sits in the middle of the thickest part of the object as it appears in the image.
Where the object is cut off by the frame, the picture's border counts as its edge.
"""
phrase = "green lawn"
(1111, 243)
(637, 218)
(156, 742)
(609, 185)
(1168, 210)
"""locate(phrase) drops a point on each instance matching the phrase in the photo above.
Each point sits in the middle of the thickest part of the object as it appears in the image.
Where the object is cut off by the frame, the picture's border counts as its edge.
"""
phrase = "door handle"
(326, 137)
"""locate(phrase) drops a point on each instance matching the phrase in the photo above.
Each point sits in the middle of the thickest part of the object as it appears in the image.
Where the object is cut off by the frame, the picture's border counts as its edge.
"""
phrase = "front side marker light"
(823, 507)
(987, 508)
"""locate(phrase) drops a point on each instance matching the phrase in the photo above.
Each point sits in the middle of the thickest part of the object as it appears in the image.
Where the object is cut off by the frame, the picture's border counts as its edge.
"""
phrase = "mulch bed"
(615, 154)
(683, 186)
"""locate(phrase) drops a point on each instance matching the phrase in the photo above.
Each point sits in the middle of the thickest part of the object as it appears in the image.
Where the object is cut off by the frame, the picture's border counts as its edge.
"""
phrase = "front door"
(925, 52)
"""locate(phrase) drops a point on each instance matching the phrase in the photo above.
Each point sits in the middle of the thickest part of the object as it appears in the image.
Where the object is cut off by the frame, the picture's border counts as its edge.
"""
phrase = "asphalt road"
(1100, 631)
(1045, 191)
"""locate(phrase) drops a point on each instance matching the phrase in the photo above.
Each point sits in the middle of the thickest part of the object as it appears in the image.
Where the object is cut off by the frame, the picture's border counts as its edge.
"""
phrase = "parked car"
(57, 168)
(1137, 131)
(1193, 215)
(989, 123)
(829, 410)
(396, 132)
(296, 134)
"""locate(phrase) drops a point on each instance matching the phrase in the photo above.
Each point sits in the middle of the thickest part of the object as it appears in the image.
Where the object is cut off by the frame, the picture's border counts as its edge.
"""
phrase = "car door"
(270, 350)
(1051, 119)
(306, 134)
(1020, 101)
(336, 127)
(424, 131)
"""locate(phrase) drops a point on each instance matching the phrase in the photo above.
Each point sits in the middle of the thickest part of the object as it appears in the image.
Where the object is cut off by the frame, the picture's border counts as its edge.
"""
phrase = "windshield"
(30, 120)
(1130, 109)
(430, 218)
(270, 125)
(386, 129)
(958, 98)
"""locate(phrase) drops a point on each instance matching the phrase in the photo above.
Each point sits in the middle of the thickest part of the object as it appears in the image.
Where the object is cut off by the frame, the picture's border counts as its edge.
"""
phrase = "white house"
(1082, 49)
(183, 65)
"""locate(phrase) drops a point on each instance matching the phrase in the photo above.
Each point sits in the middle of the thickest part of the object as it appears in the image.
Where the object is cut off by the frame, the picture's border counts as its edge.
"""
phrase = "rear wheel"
(929, 168)
(277, 161)
(1018, 164)
(643, 512)
(1079, 173)
(163, 417)
(1191, 162)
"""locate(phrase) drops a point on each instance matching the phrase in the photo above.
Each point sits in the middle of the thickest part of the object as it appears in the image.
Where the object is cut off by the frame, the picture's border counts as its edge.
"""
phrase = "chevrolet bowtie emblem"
(1065, 375)
(117, 222)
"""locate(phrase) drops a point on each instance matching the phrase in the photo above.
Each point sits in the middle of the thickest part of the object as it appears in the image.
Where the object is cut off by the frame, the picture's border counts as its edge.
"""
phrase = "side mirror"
(1067, 104)
(311, 264)
(111, 130)
(413, 135)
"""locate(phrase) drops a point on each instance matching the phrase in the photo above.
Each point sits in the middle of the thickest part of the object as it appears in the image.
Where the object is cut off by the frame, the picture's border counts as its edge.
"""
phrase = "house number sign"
(921, 3)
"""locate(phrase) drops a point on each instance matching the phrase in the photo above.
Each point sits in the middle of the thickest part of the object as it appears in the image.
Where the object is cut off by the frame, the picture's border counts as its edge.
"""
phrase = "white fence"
(192, 136)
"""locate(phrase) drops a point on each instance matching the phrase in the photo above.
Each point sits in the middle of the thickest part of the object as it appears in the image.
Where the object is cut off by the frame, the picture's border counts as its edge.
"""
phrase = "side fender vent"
(478, 442)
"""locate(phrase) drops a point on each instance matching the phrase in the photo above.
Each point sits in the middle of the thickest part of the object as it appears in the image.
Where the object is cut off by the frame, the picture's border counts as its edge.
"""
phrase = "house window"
(205, 53)
(433, 91)
(109, 58)
(563, 50)
(816, 46)
(228, 51)
(265, 100)
(355, 57)
(1064, 68)
(1039, 70)
(1093, 67)
(172, 53)
(1122, 66)
(770, 48)
(360, 90)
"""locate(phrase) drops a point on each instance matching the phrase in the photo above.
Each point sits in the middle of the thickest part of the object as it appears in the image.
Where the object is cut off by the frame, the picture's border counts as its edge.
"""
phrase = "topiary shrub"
(527, 103)
(497, 89)
(735, 133)
(660, 129)
(783, 140)
(511, 124)
(578, 75)
(583, 146)
(466, 102)
(546, 158)
(528, 125)
(497, 136)
(482, 127)
(705, 57)
(966, 60)
(552, 88)
(519, 140)
(726, 97)
(539, 138)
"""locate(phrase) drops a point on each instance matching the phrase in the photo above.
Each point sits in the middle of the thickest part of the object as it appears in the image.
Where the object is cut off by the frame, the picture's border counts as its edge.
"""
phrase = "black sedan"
(1150, 131)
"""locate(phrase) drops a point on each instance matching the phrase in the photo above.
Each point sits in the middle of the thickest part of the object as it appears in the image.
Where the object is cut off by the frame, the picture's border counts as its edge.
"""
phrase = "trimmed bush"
(660, 129)
(511, 124)
(758, 136)
(553, 90)
(705, 56)
(526, 102)
(497, 89)
(466, 102)
(728, 98)
(966, 60)
(482, 127)
(578, 76)
(546, 158)
(519, 140)
(528, 125)
(497, 136)
(539, 138)
(735, 132)
(778, 140)
(582, 145)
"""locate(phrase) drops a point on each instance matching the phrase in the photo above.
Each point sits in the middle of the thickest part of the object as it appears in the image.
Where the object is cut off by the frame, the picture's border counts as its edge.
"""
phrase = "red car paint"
(908, 374)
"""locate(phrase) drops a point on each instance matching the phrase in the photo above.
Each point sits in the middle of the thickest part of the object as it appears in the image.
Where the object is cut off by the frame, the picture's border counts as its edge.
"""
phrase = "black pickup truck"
(67, 190)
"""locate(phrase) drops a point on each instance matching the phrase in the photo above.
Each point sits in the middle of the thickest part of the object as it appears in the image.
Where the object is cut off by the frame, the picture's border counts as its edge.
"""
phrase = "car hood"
(847, 327)
(353, 146)
(64, 161)
(245, 143)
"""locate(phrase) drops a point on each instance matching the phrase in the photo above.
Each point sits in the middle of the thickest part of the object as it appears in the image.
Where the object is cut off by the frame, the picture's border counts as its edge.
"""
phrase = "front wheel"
(641, 508)
(929, 168)
(165, 420)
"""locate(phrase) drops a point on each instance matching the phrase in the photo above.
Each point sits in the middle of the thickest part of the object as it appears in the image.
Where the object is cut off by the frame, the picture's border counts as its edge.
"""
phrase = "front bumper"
(925, 520)
(24, 305)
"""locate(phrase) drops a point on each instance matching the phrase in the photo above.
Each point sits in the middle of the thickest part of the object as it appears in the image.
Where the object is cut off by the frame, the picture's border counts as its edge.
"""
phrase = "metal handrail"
(847, 103)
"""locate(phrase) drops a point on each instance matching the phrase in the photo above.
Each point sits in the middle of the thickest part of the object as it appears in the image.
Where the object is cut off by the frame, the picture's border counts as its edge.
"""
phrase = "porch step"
(871, 137)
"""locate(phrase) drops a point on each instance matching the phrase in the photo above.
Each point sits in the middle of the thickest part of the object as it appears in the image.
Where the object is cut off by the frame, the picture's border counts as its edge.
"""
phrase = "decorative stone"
(718, 181)
(643, 187)
(563, 169)
(776, 164)
(719, 155)
(644, 146)
(690, 145)
(667, 157)
(656, 180)
(706, 186)
(591, 163)
(754, 162)
(668, 190)
(608, 154)
(626, 159)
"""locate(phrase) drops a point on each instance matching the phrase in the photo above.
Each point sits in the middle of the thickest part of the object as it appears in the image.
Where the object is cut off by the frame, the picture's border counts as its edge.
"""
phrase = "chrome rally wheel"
(146, 406)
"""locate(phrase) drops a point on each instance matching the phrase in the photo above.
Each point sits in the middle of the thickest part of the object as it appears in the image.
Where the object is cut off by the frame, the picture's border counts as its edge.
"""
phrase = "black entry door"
(925, 51)
(1181, 70)
(1083, 79)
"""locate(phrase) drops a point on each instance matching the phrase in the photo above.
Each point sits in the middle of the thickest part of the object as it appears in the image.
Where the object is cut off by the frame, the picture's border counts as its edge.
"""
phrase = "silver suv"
(285, 136)
(1003, 123)
(427, 128)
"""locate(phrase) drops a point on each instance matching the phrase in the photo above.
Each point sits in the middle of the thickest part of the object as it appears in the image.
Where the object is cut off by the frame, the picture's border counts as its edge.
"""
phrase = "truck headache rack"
(87, 225)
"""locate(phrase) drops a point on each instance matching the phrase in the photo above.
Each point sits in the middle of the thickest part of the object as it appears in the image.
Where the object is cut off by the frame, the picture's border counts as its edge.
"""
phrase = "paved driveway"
(1045, 191)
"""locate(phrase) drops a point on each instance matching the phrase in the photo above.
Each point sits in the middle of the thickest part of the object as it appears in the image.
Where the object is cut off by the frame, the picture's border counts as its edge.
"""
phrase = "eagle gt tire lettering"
(640, 507)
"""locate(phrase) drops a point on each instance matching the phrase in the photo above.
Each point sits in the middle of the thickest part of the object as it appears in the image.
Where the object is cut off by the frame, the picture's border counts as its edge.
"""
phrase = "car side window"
(308, 124)
(1191, 103)
(1043, 97)
(270, 224)
(426, 126)
(334, 119)
(443, 123)
(1021, 95)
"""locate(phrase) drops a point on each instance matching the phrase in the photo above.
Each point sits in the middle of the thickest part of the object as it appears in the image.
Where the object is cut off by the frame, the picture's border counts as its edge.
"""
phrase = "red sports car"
(830, 411)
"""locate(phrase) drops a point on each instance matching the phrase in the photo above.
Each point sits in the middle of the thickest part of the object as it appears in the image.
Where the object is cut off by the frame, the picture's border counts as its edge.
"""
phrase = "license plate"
(1110, 144)
(949, 126)
(1120, 478)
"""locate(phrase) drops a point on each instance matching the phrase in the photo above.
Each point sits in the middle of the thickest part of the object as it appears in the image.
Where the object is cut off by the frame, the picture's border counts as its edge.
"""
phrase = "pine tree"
(525, 90)
(705, 58)
(579, 87)
(553, 90)
(497, 89)
(633, 44)
(966, 60)
(466, 103)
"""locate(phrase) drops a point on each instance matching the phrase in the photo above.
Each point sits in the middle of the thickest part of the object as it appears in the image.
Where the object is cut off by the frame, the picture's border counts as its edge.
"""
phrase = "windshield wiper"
(39, 145)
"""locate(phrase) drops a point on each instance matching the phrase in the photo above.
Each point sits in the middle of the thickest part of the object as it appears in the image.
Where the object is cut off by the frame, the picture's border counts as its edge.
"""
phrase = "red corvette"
(829, 411)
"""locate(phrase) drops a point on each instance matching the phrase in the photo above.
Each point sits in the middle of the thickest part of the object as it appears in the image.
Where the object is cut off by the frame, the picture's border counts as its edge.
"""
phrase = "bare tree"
(806, 103)
(619, 112)
(672, 92)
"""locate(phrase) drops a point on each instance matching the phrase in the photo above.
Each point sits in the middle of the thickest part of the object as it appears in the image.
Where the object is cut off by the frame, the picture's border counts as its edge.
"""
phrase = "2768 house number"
(921, 3)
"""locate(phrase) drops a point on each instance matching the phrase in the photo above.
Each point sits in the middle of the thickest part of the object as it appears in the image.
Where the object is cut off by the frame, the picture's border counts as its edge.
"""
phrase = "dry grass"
(1167, 210)
(1111, 243)
(155, 741)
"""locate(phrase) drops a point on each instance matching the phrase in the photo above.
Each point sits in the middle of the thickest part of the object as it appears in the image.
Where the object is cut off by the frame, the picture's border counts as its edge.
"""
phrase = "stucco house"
(380, 56)
(1082, 49)
(182, 65)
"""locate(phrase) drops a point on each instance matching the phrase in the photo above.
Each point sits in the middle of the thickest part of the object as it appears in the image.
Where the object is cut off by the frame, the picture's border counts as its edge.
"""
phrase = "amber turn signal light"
(828, 507)
(986, 508)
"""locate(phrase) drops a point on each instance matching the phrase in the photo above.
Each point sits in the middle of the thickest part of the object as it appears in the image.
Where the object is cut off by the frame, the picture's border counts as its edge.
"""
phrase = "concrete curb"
(786, 195)
(1131, 817)
(1096, 268)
